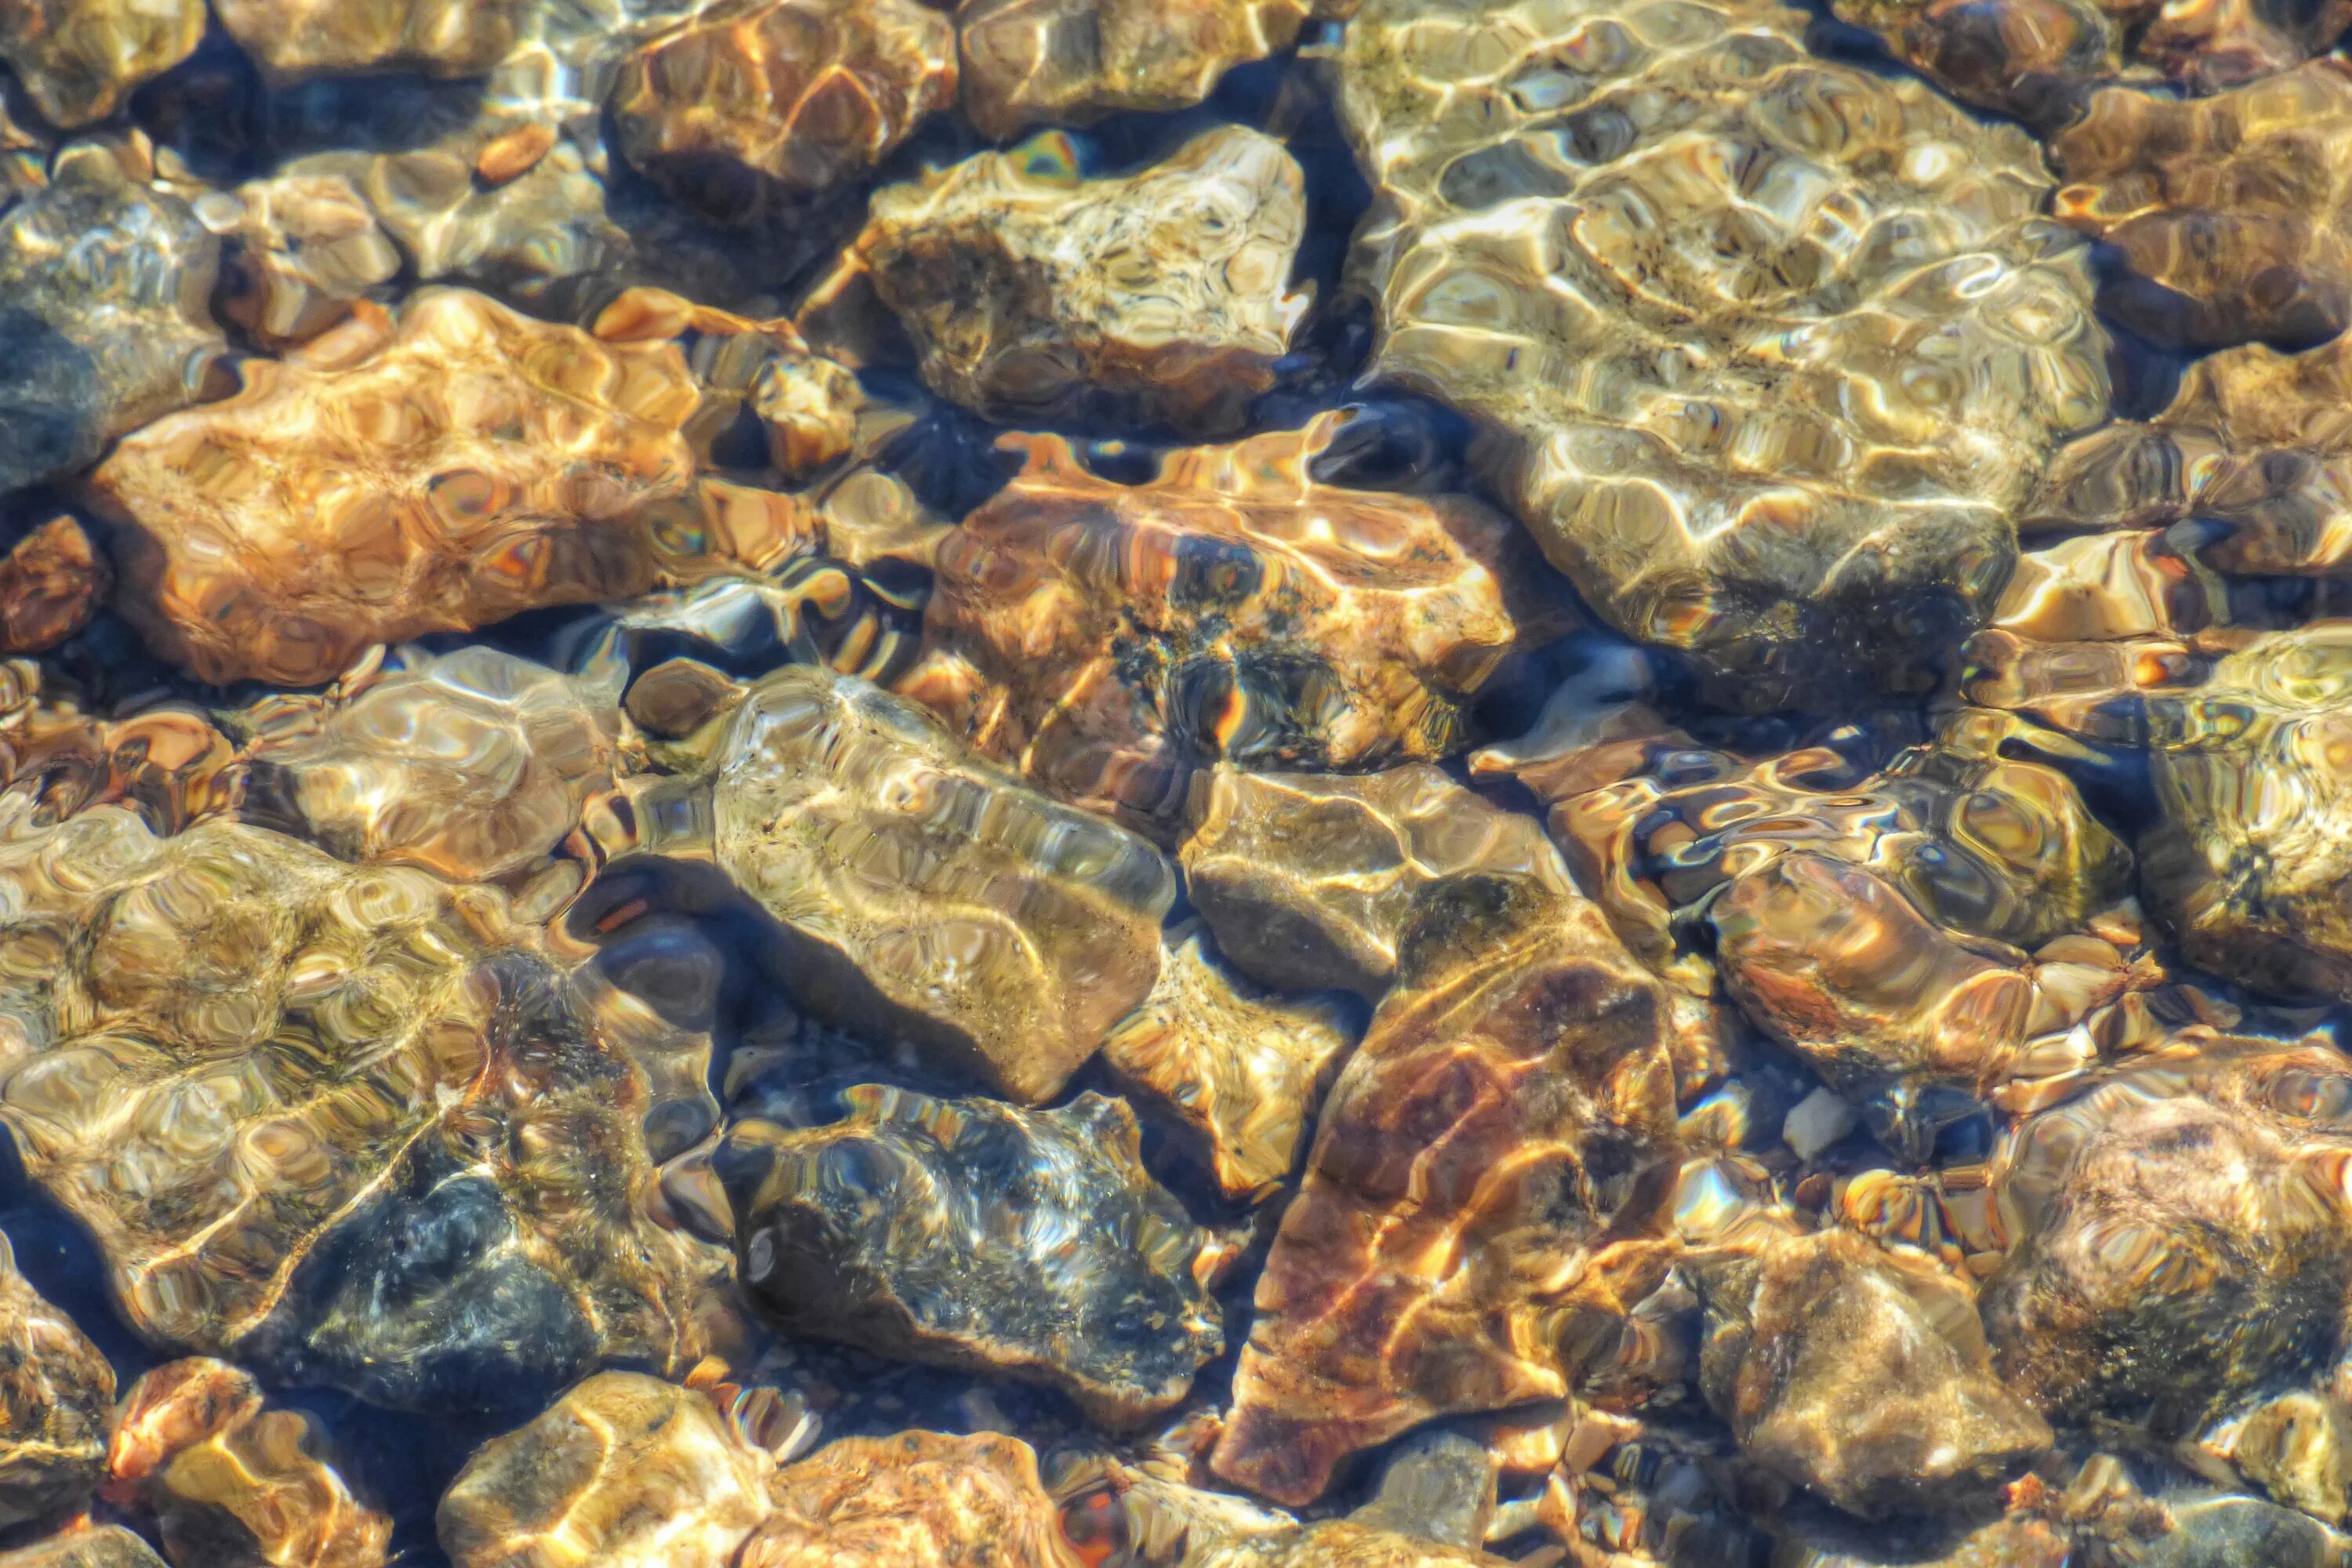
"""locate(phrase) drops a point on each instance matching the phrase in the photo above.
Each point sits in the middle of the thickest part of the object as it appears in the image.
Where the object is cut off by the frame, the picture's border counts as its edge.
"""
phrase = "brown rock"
(1242, 1067)
(924, 891)
(1070, 62)
(102, 1546)
(1862, 1373)
(2178, 1240)
(1783, 433)
(1310, 880)
(305, 248)
(1106, 638)
(232, 1485)
(51, 582)
(291, 39)
(391, 478)
(1033, 293)
(350, 1125)
(472, 766)
(1338, 1543)
(2298, 1448)
(1487, 1181)
(920, 1500)
(80, 59)
(2228, 211)
(791, 95)
(623, 1471)
(896, 1229)
(54, 1393)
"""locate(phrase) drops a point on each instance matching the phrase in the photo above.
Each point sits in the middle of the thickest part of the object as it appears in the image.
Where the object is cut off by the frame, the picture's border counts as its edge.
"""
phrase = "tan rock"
(920, 1500)
(291, 39)
(1070, 62)
(54, 1393)
(1033, 293)
(80, 59)
(305, 248)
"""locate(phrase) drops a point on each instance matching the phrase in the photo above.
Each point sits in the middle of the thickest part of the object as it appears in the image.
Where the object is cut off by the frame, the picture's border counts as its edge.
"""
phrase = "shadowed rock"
(55, 1390)
(80, 59)
(51, 582)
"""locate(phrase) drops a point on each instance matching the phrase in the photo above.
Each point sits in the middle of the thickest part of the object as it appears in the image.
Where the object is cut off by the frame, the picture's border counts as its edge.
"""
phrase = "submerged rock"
(122, 336)
(55, 1393)
(920, 1500)
(79, 59)
(1310, 880)
(1029, 1244)
(924, 891)
(304, 249)
(102, 1546)
(2177, 1239)
(291, 39)
(1861, 1372)
(51, 582)
(1243, 1069)
(233, 1484)
(1033, 293)
(1106, 639)
(1768, 347)
(436, 473)
(623, 1471)
(2228, 212)
(350, 1125)
(796, 96)
(1071, 62)
(1338, 1543)
(1482, 1204)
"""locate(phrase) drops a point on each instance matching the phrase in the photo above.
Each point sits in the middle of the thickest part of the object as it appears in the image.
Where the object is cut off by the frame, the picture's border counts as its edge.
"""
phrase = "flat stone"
(293, 40)
(1071, 62)
(919, 1500)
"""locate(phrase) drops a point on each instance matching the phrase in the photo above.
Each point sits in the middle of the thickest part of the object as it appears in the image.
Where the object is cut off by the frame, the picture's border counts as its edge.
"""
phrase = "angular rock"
(2040, 60)
(1310, 880)
(55, 1393)
(104, 1546)
(924, 891)
(1886, 927)
(79, 59)
(1071, 62)
(894, 1229)
(2298, 1449)
(122, 336)
(293, 40)
(472, 766)
(389, 479)
(1862, 1373)
(1161, 297)
(920, 1500)
(304, 250)
(51, 582)
(2179, 1241)
(350, 1125)
(232, 1485)
(1487, 1180)
(1106, 638)
(1819, 1538)
(1768, 347)
(1242, 1067)
(795, 96)
(623, 1471)
(2228, 212)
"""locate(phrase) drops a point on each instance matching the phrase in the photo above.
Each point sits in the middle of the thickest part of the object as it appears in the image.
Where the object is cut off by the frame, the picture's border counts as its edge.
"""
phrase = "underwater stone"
(1104, 639)
(104, 1546)
(303, 250)
(122, 336)
(1486, 1194)
(472, 766)
(919, 1500)
(800, 94)
(2228, 212)
(2179, 1236)
(1768, 347)
(56, 1392)
(1242, 1067)
(391, 478)
(623, 1471)
(79, 59)
(1310, 880)
(1028, 1243)
(51, 582)
(291, 39)
(1338, 1543)
(1071, 62)
(1033, 293)
(350, 1125)
(927, 891)
(231, 1484)
(1861, 1372)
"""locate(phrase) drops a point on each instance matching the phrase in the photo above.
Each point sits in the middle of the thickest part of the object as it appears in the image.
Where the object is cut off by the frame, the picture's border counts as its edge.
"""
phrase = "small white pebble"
(1818, 1121)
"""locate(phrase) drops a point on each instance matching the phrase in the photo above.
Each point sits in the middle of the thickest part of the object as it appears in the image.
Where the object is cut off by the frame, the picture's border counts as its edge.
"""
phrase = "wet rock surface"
(925, 1499)
(57, 1388)
(1032, 292)
(79, 59)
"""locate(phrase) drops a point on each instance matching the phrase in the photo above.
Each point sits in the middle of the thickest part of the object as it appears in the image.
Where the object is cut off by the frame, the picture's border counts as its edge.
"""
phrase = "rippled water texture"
(1175, 783)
